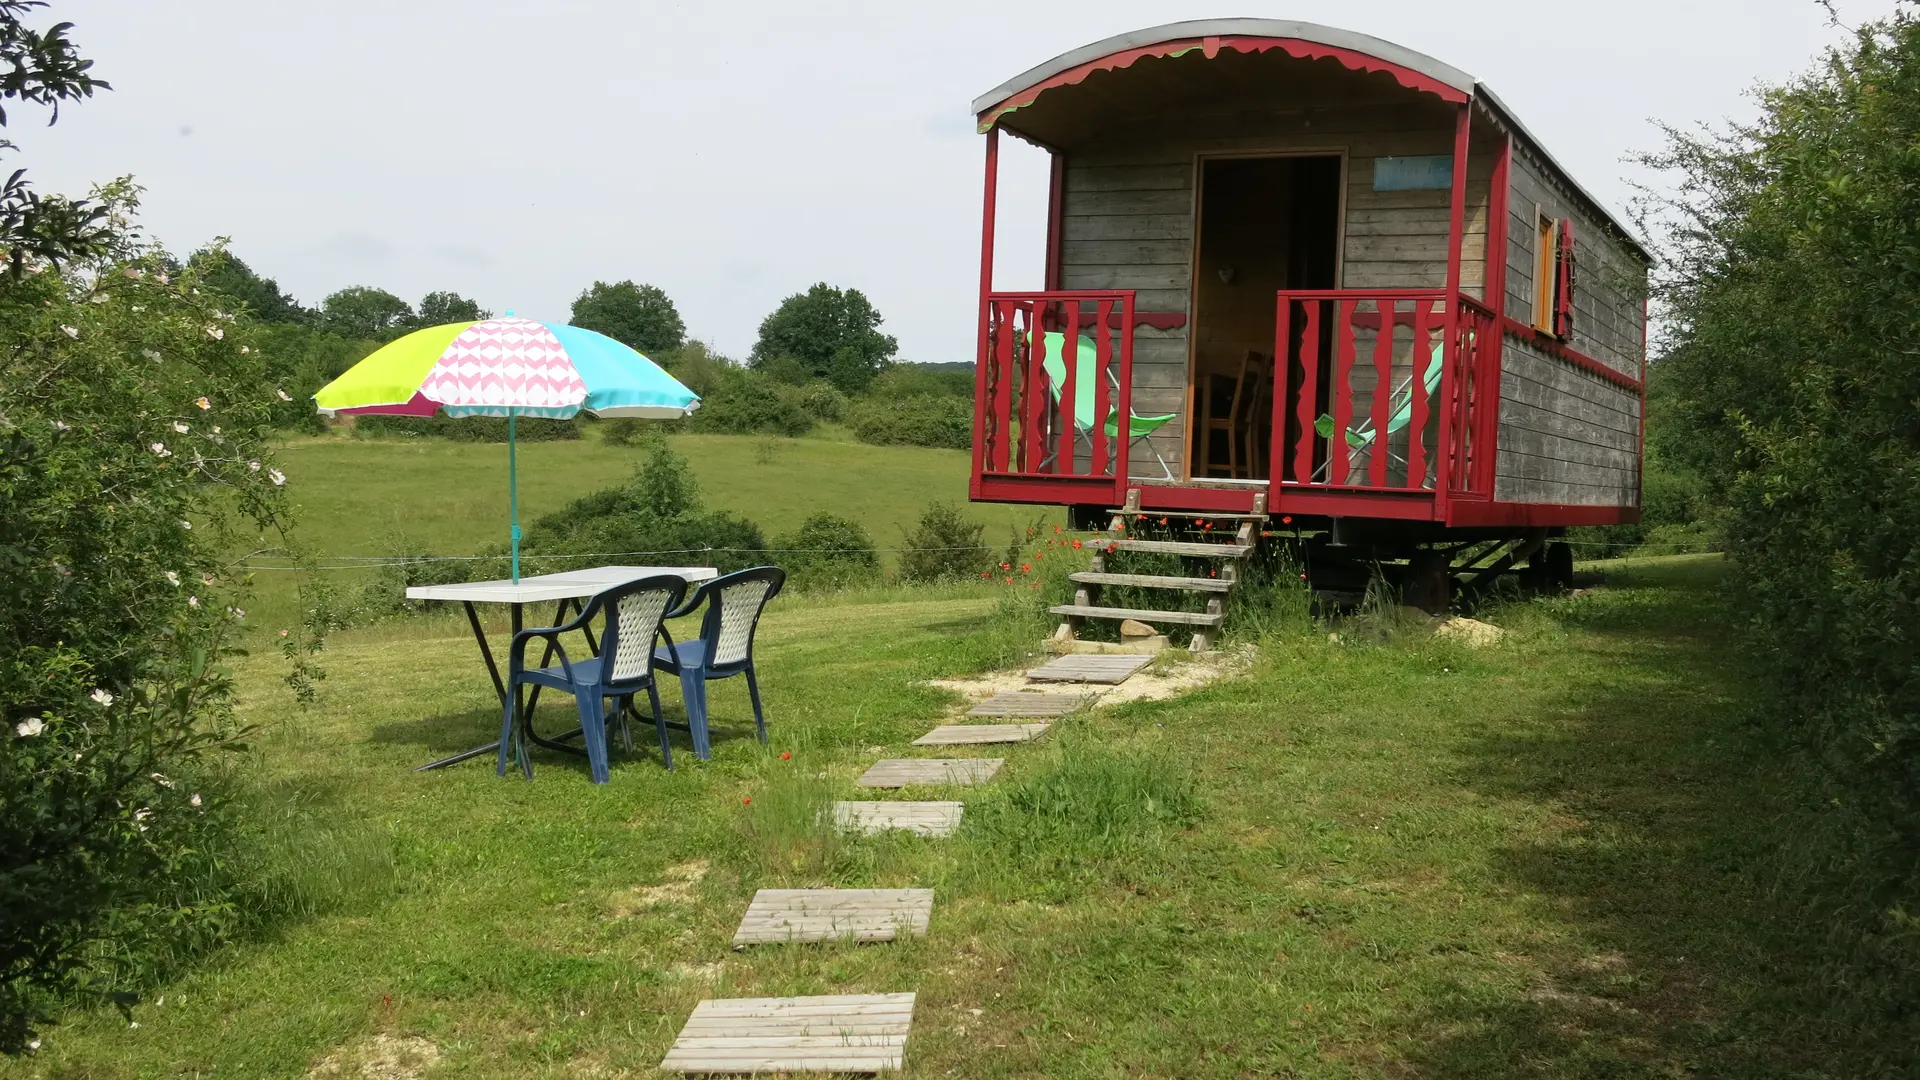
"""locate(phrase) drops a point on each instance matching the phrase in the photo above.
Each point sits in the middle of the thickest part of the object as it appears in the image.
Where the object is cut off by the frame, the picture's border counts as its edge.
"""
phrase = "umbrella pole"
(513, 497)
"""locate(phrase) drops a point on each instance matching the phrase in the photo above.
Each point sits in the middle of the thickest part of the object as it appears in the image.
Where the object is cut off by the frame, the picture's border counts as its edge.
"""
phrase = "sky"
(736, 153)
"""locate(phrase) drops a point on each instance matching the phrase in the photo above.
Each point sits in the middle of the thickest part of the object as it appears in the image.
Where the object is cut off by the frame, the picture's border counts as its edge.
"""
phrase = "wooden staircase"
(1206, 623)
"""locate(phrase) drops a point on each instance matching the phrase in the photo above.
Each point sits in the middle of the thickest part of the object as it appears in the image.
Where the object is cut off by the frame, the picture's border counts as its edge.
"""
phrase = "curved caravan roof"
(1304, 40)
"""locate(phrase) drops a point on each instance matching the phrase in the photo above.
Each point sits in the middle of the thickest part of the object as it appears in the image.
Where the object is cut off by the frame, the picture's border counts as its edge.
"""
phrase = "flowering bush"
(132, 472)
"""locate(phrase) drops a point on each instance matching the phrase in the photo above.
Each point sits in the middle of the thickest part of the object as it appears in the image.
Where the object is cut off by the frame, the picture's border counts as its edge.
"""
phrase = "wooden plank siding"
(1567, 436)
(1611, 280)
(1128, 222)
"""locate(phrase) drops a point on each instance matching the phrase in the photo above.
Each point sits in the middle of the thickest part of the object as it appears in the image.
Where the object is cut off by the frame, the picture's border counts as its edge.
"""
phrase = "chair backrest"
(634, 612)
(1053, 344)
(734, 602)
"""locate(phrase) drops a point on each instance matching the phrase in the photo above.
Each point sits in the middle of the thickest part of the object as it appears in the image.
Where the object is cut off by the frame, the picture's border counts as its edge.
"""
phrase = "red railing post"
(1382, 392)
(983, 387)
(1309, 388)
(1103, 362)
(1123, 409)
(1338, 451)
(1007, 333)
(1417, 422)
(1070, 363)
(1456, 240)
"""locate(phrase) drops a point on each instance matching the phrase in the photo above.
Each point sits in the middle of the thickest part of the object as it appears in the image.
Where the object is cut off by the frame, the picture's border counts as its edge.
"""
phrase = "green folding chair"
(1053, 346)
(1360, 438)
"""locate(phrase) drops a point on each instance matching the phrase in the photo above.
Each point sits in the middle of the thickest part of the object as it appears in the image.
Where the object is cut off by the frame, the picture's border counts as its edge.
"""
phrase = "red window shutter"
(1563, 281)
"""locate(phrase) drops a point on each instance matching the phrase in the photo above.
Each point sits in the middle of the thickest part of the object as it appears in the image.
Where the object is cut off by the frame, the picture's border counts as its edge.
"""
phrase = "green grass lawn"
(355, 497)
(1411, 859)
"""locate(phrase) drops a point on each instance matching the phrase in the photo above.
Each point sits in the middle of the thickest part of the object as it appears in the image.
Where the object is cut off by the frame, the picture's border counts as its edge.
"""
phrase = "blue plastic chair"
(725, 647)
(633, 614)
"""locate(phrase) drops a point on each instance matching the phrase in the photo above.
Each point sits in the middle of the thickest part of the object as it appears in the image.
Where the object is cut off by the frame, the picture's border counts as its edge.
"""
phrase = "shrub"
(748, 403)
(827, 552)
(133, 464)
(923, 380)
(922, 420)
(1794, 306)
(623, 431)
(821, 401)
(943, 546)
(657, 512)
(488, 429)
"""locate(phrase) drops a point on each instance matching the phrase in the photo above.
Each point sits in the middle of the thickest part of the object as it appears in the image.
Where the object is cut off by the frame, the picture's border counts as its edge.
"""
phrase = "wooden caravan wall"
(1567, 436)
(1128, 220)
(1607, 299)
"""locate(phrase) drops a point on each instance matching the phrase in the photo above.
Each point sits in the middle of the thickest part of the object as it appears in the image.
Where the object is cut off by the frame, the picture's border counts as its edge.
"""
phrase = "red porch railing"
(1376, 399)
(1048, 413)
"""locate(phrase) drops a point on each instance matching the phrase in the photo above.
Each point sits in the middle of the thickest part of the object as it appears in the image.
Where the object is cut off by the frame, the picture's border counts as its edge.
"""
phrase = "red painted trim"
(982, 360)
(1558, 349)
(1056, 208)
(1351, 59)
(1161, 320)
(1563, 280)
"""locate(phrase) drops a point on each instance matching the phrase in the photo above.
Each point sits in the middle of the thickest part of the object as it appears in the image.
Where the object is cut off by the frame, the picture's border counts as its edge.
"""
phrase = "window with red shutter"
(1563, 281)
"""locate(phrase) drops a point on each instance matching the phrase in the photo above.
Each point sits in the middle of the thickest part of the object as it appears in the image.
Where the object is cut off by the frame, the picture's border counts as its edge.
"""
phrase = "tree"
(42, 67)
(441, 308)
(361, 311)
(640, 316)
(224, 272)
(833, 333)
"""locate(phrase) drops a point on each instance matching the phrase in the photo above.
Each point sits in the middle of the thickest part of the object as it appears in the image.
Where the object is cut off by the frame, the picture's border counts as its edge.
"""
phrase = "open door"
(1266, 224)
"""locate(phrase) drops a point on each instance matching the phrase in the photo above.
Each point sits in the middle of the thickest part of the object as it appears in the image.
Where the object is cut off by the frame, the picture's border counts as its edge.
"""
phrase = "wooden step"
(1090, 611)
(1170, 547)
(1188, 515)
(1153, 581)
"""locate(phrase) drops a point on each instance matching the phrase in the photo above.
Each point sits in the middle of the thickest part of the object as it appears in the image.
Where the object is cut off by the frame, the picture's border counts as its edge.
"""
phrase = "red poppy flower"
(1033, 584)
(988, 574)
(1213, 573)
(1056, 530)
(1286, 519)
(1009, 581)
(748, 801)
(1076, 545)
(786, 755)
(1038, 555)
(1005, 566)
(1163, 521)
(1026, 568)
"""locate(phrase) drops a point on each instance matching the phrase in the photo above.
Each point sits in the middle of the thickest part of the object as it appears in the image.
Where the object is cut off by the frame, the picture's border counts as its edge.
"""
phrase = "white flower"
(277, 477)
(69, 331)
(101, 697)
(282, 393)
(203, 403)
(283, 633)
(131, 272)
(100, 298)
(131, 1024)
(161, 277)
(61, 425)
(185, 524)
(216, 429)
(253, 465)
(139, 308)
(216, 333)
(173, 577)
(151, 354)
(161, 449)
(140, 817)
(180, 427)
(238, 613)
(223, 315)
(193, 601)
(244, 350)
(161, 779)
(33, 1043)
(29, 727)
(195, 801)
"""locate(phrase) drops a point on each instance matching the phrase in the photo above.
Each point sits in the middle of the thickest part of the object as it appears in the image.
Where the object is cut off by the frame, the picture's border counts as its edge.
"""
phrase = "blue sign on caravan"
(1413, 173)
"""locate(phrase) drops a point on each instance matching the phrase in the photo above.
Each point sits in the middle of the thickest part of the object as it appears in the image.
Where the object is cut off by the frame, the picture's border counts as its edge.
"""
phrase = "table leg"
(499, 689)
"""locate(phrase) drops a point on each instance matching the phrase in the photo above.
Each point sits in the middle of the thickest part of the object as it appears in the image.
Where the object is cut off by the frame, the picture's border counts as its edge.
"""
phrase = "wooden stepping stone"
(907, 772)
(966, 734)
(924, 818)
(861, 1033)
(1016, 703)
(1089, 668)
(788, 915)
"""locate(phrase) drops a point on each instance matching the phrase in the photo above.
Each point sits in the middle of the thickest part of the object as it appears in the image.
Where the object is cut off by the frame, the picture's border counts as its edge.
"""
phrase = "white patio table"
(570, 590)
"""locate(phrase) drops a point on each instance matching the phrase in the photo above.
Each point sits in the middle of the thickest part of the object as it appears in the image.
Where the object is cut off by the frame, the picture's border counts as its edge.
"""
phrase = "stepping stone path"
(906, 772)
(778, 916)
(924, 818)
(1108, 670)
(967, 734)
(863, 1033)
(1016, 703)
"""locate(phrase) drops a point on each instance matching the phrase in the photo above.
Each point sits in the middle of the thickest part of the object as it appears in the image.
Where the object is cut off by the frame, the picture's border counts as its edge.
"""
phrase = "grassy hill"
(358, 496)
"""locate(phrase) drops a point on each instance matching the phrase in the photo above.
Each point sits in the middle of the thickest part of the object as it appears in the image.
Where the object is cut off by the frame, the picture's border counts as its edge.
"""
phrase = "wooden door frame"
(1200, 158)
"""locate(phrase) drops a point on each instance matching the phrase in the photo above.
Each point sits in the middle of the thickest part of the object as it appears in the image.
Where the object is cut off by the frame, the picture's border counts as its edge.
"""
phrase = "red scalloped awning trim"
(1211, 46)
